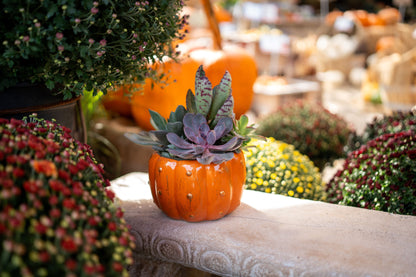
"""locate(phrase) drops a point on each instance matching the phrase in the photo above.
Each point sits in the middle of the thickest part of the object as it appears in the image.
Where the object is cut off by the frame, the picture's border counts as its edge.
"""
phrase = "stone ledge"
(269, 235)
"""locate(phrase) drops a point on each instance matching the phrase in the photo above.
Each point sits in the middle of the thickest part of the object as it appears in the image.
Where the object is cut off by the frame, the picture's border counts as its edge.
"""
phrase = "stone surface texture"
(268, 235)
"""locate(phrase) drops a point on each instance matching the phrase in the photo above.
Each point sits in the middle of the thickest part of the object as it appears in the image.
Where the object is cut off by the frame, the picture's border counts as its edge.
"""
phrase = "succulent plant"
(381, 175)
(206, 130)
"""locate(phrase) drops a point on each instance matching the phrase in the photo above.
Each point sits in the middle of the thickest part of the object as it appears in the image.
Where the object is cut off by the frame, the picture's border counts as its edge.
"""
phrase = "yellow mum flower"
(259, 174)
(296, 180)
(259, 181)
(290, 193)
(253, 186)
(268, 190)
(273, 176)
(282, 165)
(299, 189)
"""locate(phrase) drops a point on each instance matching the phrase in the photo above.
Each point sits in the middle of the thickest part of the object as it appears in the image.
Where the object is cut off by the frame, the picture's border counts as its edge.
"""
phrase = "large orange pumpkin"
(239, 63)
(190, 191)
(161, 97)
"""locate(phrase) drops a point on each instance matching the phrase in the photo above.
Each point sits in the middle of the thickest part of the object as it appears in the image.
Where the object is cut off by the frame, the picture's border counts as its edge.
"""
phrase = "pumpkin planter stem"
(213, 24)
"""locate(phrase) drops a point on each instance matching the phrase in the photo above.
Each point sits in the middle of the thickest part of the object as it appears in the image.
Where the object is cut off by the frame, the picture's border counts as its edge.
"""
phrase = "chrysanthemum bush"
(312, 129)
(396, 122)
(277, 167)
(57, 216)
(381, 175)
(92, 45)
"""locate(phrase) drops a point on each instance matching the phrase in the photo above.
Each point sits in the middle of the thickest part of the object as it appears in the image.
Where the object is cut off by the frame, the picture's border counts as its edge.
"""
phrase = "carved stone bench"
(268, 235)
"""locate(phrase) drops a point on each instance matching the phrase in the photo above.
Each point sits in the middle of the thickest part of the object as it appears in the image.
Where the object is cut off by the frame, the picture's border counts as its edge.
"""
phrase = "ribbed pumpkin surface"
(193, 192)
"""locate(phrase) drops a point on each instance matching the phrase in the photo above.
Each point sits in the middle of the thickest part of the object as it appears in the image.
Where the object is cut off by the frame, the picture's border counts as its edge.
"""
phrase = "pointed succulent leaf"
(157, 121)
(211, 138)
(175, 127)
(221, 93)
(143, 138)
(178, 114)
(186, 154)
(203, 92)
(179, 142)
(207, 157)
(223, 127)
(226, 110)
(231, 145)
(160, 135)
(190, 102)
(242, 122)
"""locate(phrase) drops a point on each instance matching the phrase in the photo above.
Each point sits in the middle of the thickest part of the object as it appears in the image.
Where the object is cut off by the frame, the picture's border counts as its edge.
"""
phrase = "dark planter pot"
(25, 99)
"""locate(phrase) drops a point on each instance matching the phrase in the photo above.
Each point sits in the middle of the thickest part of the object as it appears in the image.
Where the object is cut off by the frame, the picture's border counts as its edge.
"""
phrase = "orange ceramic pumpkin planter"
(198, 170)
(190, 191)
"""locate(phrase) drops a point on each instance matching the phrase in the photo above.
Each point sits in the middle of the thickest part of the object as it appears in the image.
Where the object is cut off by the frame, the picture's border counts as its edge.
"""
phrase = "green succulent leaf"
(174, 127)
(221, 93)
(178, 114)
(190, 102)
(157, 121)
(203, 92)
(226, 110)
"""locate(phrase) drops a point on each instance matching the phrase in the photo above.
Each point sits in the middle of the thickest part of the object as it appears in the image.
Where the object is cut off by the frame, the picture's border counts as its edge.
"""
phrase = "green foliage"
(312, 129)
(74, 45)
(381, 175)
(57, 216)
(276, 167)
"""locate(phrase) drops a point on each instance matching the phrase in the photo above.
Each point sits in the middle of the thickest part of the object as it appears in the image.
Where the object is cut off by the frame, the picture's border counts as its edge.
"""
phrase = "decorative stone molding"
(268, 235)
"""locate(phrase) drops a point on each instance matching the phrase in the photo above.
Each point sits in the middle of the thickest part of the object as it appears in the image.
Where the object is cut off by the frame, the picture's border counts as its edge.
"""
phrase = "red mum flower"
(69, 244)
(55, 185)
(110, 194)
(31, 186)
(69, 203)
(71, 264)
(117, 266)
(44, 256)
(119, 213)
(112, 226)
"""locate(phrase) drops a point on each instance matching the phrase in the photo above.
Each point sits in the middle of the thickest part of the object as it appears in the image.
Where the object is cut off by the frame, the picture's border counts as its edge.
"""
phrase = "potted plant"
(312, 129)
(57, 216)
(277, 167)
(198, 170)
(380, 175)
(61, 48)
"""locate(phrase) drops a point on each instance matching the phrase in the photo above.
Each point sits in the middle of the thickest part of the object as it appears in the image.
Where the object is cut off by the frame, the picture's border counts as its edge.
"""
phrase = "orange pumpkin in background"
(239, 63)
(164, 98)
(389, 15)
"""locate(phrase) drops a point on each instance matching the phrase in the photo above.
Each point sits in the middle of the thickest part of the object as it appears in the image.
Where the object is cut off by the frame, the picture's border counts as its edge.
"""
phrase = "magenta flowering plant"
(380, 175)
(57, 216)
(74, 45)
